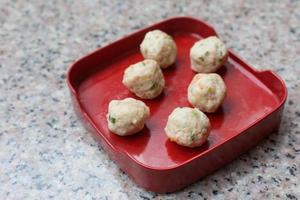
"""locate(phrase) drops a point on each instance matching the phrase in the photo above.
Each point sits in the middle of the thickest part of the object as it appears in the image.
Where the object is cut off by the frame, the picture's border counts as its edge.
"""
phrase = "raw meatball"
(159, 46)
(145, 79)
(207, 92)
(208, 55)
(188, 127)
(127, 116)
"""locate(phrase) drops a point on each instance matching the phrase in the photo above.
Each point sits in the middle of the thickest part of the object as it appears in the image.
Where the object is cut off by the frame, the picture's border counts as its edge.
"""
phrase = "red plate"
(251, 111)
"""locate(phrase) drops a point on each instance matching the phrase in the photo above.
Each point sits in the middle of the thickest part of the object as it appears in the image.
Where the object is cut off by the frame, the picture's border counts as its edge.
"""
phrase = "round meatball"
(159, 46)
(145, 79)
(188, 127)
(208, 55)
(207, 92)
(127, 116)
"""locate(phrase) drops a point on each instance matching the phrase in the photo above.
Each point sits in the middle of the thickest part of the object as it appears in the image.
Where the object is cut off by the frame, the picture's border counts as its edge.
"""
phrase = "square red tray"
(251, 111)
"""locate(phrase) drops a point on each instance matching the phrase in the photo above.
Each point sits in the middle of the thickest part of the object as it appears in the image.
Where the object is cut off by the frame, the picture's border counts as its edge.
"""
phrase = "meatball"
(208, 55)
(159, 46)
(188, 127)
(145, 79)
(207, 92)
(127, 116)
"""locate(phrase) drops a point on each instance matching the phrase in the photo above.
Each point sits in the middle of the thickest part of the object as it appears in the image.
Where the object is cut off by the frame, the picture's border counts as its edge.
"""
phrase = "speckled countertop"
(46, 153)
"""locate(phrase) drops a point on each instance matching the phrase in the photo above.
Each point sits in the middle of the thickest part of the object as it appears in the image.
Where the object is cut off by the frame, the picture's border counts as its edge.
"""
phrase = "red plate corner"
(251, 111)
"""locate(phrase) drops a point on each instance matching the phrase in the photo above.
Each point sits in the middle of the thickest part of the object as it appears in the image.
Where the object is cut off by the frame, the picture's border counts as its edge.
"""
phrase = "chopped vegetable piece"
(155, 85)
(210, 90)
(193, 137)
(112, 119)
(201, 58)
(195, 113)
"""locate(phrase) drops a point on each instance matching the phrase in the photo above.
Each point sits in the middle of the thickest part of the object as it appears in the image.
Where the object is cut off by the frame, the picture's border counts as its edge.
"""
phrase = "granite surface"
(46, 153)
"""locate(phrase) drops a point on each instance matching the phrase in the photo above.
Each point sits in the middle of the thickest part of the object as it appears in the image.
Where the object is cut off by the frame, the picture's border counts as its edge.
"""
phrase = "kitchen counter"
(45, 152)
